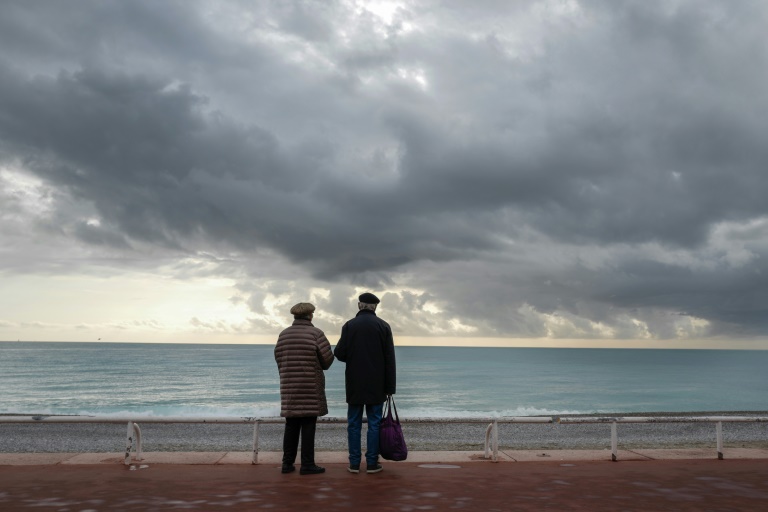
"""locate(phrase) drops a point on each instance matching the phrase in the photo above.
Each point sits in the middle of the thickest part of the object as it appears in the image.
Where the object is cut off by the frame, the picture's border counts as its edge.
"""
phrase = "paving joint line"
(63, 461)
(507, 455)
(647, 457)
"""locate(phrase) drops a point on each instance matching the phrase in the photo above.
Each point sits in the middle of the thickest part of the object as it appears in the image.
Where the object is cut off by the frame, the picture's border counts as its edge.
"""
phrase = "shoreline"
(180, 437)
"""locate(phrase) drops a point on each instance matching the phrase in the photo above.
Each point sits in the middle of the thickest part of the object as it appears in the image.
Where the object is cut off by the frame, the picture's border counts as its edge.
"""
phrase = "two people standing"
(302, 354)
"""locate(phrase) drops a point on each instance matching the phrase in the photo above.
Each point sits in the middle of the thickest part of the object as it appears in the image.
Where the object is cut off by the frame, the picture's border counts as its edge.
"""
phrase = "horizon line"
(480, 342)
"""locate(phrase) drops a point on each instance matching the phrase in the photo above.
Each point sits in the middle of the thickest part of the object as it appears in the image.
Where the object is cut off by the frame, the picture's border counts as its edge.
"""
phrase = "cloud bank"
(529, 169)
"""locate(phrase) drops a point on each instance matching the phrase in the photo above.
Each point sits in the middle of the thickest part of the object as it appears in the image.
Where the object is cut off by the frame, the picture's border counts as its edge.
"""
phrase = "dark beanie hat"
(368, 298)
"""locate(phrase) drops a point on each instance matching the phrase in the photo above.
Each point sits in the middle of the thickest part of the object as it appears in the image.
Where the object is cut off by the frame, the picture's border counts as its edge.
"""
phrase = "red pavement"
(700, 485)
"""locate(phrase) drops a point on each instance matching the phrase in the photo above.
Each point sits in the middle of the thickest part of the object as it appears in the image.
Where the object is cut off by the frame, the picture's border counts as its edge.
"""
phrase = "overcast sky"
(544, 170)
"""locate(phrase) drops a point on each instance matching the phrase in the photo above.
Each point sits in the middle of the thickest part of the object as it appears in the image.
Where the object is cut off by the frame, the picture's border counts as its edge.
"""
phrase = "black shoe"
(311, 470)
(288, 468)
(375, 469)
(354, 468)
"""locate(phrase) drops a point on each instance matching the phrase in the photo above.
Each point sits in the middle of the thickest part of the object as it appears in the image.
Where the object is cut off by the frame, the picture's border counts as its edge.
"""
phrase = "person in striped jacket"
(302, 354)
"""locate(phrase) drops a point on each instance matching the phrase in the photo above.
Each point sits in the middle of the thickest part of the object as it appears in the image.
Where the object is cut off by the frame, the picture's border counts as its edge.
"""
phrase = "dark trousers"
(299, 426)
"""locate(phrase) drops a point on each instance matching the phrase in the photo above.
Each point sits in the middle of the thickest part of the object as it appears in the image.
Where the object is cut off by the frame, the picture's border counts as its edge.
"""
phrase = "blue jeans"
(355, 427)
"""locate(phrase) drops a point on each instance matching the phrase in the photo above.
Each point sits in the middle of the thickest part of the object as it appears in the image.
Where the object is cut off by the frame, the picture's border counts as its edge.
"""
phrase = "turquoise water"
(242, 380)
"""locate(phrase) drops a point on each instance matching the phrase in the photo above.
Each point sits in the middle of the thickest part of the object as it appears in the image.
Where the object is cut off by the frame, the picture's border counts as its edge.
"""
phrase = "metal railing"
(717, 420)
(133, 437)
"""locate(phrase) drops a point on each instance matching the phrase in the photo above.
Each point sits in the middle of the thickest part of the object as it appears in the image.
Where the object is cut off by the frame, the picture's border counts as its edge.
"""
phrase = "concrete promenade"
(685, 479)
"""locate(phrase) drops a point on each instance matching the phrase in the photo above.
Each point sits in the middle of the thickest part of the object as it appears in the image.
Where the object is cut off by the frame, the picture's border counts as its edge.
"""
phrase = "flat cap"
(368, 298)
(302, 309)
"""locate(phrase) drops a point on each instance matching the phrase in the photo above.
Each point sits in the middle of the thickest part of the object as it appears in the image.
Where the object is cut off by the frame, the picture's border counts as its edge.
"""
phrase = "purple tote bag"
(391, 440)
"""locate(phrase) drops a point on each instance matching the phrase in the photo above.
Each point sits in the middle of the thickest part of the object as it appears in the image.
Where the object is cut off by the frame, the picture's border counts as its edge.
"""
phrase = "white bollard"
(137, 432)
(488, 441)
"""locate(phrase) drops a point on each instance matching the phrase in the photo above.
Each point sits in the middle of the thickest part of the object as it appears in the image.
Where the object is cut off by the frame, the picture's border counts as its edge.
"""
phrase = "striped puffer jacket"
(302, 353)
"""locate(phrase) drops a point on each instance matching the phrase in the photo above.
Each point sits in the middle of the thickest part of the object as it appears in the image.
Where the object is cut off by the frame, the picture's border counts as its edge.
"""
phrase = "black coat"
(366, 346)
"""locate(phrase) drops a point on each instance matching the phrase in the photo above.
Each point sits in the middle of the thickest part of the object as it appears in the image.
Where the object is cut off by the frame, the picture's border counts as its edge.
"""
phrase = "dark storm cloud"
(477, 143)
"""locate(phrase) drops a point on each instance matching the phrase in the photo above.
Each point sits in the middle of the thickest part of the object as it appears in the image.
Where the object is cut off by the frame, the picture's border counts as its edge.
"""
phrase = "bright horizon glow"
(156, 309)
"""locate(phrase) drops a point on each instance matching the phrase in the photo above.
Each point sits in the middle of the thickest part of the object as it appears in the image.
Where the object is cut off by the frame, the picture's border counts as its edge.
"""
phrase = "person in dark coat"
(367, 348)
(302, 353)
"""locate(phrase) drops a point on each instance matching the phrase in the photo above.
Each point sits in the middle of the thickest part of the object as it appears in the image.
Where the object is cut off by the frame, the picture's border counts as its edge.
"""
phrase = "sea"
(148, 380)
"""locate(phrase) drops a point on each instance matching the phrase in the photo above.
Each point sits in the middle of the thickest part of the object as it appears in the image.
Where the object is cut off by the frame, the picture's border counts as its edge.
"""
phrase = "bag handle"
(392, 407)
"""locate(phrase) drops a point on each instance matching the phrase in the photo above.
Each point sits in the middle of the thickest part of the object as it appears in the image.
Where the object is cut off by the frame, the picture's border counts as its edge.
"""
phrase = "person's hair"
(308, 316)
(370, 307)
